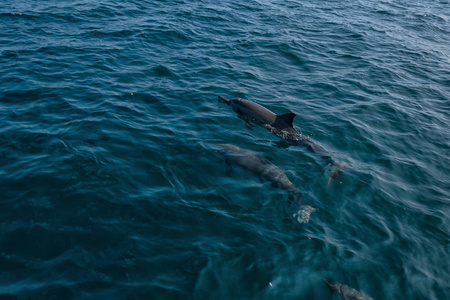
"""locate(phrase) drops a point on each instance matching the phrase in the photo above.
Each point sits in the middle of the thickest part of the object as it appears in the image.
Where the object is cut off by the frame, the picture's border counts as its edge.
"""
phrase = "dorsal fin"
(284, 121)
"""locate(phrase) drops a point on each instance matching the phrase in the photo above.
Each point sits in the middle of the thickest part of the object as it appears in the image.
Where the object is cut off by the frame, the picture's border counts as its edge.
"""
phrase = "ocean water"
(110, 188)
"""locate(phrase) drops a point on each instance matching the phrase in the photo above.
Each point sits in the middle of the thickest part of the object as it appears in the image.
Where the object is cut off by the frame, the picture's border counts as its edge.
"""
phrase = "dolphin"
(281, 126)
(262, 166)
(346, 292)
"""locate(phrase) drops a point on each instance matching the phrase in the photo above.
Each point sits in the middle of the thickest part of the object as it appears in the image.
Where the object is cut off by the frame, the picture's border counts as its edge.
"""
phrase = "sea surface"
(110, 187)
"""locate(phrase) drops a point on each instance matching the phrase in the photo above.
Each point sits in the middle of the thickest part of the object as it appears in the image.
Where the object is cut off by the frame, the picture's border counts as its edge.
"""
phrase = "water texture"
(110, 188)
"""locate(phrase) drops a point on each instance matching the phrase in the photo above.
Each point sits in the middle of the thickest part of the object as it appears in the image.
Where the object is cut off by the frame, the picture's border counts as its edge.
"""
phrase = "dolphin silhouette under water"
(262, 166)
(346, 292)
(281, 126)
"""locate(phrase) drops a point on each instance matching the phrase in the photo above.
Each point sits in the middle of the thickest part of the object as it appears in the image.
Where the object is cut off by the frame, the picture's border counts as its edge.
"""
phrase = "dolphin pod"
(262, 166)
(281, 126)
(346, 292)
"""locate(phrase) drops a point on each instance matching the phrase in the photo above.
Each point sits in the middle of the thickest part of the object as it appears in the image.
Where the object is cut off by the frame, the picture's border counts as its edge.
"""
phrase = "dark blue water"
(109, 188)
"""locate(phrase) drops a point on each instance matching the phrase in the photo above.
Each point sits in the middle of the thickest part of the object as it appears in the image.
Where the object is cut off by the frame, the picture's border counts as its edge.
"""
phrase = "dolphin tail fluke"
(336, 170)
(223, 99)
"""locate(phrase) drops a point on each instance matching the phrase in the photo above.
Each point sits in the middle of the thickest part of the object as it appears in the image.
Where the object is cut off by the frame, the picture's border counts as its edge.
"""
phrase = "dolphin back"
(346, 292)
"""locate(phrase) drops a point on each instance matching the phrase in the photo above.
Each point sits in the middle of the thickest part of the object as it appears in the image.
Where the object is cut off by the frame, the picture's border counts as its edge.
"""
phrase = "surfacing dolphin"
(281, 126)
(261, 166)
(346, 292)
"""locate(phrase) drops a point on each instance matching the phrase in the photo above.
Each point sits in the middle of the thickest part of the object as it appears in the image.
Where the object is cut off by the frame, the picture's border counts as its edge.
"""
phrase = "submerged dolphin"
(261, 166)
(346, 292)
(281, 126)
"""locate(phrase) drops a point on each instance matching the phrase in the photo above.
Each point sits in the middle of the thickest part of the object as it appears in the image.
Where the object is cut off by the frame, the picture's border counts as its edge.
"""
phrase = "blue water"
(110, 189)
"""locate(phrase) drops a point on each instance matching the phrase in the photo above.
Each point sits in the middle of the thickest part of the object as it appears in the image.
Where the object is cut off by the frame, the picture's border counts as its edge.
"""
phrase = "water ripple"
(110, 187)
